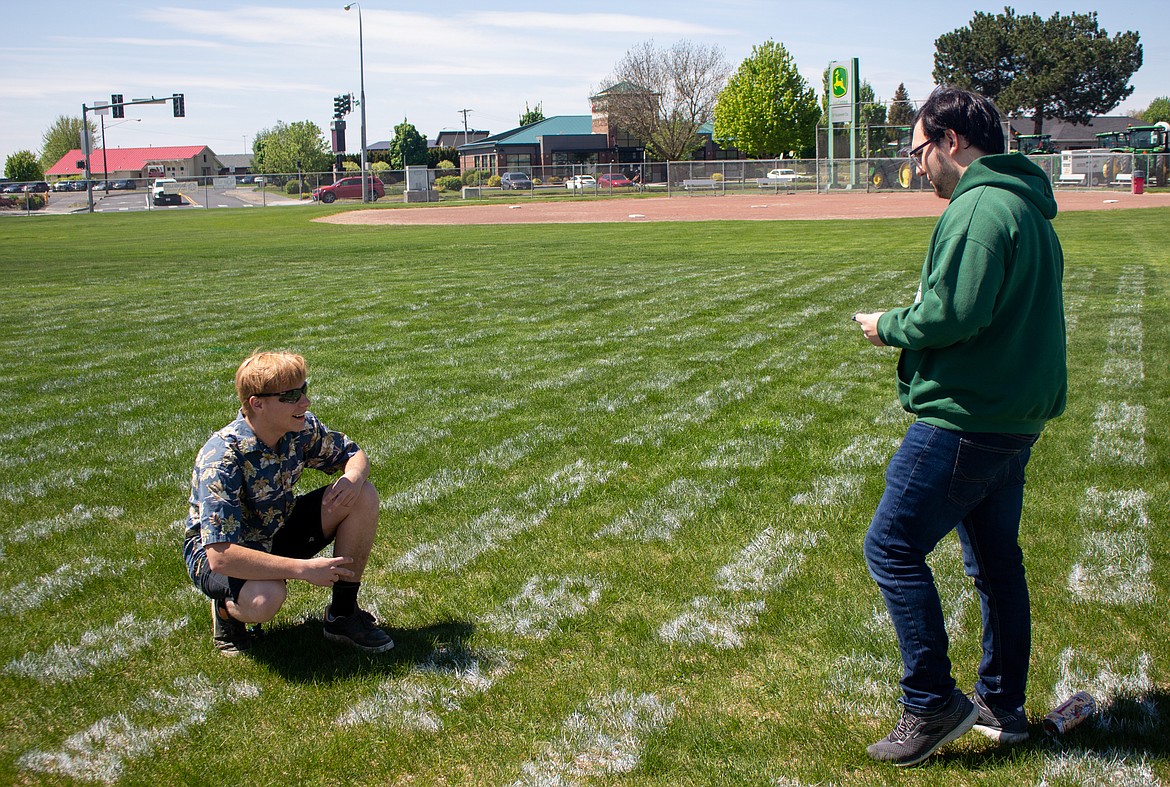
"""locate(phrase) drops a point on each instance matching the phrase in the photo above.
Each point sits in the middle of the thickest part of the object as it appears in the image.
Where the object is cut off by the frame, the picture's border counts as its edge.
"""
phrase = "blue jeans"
(941, 480)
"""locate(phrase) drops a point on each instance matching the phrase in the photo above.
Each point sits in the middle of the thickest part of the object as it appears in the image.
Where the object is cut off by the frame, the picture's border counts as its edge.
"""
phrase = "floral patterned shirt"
(242, 490)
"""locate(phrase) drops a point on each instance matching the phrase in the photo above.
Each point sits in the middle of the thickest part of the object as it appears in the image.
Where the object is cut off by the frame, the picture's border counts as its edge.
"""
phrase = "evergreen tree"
(532, 115)
(901, 110)
(1063, 67)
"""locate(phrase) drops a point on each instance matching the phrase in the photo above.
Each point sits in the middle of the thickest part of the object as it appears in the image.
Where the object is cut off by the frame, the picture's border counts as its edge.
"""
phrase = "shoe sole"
(1001, 736)
(961, 729)
(344, 640)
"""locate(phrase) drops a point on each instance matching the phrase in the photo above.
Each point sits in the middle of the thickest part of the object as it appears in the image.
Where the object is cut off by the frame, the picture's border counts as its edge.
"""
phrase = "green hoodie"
(983, 346)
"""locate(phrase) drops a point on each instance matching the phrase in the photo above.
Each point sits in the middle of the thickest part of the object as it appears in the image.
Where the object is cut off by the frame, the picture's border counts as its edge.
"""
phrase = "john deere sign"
(842, 90)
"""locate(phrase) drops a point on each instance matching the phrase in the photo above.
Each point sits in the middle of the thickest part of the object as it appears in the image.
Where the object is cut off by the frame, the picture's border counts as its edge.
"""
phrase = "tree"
(1063, 67)
(23, 166)
(60, 138)
(291, 147)
(533, 115)
(663, 97)
(1157, 112)
(408, 146)
(767, 107)
(901, 110)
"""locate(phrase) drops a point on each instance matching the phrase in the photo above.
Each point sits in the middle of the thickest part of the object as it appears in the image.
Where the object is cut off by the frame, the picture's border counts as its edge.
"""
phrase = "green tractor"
(889, 167)
(1150, 146)
(1036, 144)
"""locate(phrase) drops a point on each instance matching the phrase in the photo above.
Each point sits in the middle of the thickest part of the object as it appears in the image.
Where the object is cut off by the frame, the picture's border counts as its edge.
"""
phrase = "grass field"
(625, 472)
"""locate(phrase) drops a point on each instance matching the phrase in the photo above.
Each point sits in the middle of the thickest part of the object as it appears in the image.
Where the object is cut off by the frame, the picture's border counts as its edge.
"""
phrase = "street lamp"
(362, 90)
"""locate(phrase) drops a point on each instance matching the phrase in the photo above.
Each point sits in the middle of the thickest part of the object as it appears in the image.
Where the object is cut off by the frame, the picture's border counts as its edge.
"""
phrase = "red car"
(348, 188)
(613, 180)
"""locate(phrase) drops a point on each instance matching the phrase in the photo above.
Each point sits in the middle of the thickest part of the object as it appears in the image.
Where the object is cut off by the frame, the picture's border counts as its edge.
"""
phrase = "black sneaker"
(917, 737)
(1005, 726)
(231, 637)
(359, 630)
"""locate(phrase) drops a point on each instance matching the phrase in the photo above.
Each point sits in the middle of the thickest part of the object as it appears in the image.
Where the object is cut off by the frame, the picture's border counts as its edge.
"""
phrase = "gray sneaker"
(231, 637)
(917, 737)
(359, 630)
(1005, 726)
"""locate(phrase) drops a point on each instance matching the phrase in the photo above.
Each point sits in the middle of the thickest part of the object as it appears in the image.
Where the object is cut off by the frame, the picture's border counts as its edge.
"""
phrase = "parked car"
(12, 188)
(165, 191)
(515, 180)
(581, 182)
(63, 185)
(123, 185)
(348, 188)
(614, 180)
(35, 186)
(783, 175)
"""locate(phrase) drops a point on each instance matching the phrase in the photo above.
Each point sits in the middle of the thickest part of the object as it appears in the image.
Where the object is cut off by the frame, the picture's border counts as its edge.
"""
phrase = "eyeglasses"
(915, 159)
(291, 396)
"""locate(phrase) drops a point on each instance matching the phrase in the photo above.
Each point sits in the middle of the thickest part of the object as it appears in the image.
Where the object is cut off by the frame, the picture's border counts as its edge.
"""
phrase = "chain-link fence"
(1087, 169)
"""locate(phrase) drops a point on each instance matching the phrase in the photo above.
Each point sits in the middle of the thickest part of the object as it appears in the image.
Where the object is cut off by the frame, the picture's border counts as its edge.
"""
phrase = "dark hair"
(964, 112)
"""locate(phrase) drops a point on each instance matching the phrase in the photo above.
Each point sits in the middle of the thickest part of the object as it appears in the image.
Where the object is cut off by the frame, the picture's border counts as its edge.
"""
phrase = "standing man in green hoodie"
(982, 369)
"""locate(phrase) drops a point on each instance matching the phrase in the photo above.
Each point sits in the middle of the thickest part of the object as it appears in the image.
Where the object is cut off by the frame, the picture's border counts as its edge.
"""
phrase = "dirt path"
(763, 207)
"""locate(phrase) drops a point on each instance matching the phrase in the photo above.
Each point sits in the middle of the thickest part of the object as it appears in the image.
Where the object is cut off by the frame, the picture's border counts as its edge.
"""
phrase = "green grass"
(659, 425)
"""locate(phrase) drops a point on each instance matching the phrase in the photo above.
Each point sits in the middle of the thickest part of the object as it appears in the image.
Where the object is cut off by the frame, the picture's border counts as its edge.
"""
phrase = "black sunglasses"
(913, 154)
(291, 396)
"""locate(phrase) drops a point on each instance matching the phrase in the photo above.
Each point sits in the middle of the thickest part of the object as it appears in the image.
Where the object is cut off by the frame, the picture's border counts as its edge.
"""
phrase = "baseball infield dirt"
(763, 207)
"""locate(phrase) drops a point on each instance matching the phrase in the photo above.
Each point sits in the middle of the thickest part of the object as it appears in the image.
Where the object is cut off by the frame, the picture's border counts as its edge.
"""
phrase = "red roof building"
(172, 162)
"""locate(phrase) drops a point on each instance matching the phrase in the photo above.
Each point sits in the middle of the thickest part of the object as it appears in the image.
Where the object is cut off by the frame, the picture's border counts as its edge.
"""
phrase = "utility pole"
(464, 113)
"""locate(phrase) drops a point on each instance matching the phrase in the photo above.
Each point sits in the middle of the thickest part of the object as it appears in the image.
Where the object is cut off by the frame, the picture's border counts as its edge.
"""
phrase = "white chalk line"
(447, 480)
(493, 528)
(65, 580)
(96, 648)
(1098, 769)
(1123, 691)
(697, 411)
(431, 689)
(865, 685)
(605, 738)
(102, 751)
(659, 517)
(768, 561)
(1119, 434)
(830, 490)
(543, 603)
(1114, 568)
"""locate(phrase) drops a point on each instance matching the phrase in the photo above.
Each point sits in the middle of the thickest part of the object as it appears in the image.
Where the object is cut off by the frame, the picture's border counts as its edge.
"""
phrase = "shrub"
(716, 176)
(536, 181)
(292, 187)
(444, 164)
(494, 181)
(474, 177)
(448, 183)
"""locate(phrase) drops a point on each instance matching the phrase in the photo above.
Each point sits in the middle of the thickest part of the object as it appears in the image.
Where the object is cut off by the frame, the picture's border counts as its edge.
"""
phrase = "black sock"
(344, 598)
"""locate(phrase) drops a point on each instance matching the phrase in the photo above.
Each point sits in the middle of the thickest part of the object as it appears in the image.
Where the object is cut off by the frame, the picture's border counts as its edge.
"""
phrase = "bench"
(1123, 179)
(1071, 179)
(701, 183)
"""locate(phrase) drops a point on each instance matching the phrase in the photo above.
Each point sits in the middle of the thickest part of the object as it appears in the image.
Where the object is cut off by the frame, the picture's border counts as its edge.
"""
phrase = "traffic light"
(342, 105)
(116, 103)
(180, 110)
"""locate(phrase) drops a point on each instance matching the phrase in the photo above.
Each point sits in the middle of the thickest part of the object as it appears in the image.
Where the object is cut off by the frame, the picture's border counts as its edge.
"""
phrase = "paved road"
(139, 200)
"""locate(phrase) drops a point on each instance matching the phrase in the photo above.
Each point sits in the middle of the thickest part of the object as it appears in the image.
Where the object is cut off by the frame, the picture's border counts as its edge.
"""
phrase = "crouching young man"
(248, 533)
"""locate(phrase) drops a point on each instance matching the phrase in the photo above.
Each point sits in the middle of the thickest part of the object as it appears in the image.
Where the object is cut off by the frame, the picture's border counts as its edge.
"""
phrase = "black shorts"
(300, 537)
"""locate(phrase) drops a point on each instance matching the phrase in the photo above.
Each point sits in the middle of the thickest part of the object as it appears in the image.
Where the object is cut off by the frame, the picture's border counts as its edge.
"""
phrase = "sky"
(243, 66)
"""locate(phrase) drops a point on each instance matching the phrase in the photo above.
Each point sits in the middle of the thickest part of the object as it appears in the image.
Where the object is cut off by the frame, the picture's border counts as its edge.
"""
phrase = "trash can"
(1139, 181)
